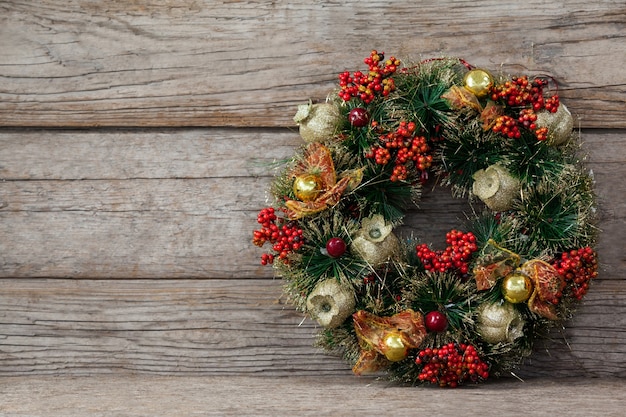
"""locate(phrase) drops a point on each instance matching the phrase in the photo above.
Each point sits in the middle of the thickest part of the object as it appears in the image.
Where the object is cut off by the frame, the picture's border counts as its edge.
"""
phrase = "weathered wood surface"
(303, 396)
(180, 63)
(232, 327)
(136, 144)
(183, 204)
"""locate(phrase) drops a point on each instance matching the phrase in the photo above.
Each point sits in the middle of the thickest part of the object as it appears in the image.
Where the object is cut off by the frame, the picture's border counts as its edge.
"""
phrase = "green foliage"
(466, 150)
(378, 195)
(313, 264)
(443, 292)
(532, 160)
(420, 90)
(557, 214)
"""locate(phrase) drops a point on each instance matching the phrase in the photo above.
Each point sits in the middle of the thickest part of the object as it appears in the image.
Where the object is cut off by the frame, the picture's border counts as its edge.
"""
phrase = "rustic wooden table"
(135, 147)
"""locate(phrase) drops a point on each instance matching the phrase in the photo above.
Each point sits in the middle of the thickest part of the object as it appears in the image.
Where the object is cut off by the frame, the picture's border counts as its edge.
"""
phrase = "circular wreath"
(515, 268)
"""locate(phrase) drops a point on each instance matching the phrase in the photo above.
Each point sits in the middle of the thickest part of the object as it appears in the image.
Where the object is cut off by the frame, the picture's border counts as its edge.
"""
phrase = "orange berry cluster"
(507, 126)
(578, 267)
(376, 81)
(456, 256)
(451, 365)
(285, 237)
(407, 148)
(520, 92)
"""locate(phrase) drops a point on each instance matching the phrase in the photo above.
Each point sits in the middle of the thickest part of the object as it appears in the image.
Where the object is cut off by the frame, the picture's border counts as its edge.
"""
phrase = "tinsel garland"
(442, 316)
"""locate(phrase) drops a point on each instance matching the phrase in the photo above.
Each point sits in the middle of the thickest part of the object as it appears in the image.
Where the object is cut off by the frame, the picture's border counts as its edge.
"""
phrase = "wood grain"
(183, 204)
(109, 396)
(137, 142)
(232, 327)
(209, 63)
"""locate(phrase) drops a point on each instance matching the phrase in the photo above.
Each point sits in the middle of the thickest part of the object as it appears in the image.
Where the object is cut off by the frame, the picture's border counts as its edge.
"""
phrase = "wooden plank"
(183, 204)
(302, 396)
(121, 154)
(39, 154)
(232, 327)
(183, 63)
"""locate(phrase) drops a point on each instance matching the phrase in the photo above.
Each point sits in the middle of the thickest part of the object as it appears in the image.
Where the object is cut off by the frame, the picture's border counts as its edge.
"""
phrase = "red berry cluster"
(507, 126)
(376, 81)
(406, 147)
(285, 237)
(456, 256)
(451, 365)
(578, 267)
(520, 92)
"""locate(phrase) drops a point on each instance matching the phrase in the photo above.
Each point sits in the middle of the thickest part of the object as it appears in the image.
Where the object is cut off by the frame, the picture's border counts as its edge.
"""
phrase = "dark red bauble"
(358, 117)
(436, 321)
(335, 247)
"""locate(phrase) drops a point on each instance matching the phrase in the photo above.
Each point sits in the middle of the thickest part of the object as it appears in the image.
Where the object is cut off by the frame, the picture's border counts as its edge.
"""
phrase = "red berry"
(451, 365)
(436, 321)
(358, 117)
(335, 247)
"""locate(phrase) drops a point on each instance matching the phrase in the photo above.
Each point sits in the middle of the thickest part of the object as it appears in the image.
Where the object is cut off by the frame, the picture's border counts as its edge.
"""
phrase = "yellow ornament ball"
(517, 287)
(307, 187)
(394, 348)
(478, 82)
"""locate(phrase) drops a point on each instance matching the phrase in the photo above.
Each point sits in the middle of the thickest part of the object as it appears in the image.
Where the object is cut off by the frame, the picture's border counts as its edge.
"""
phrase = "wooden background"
(135, 146)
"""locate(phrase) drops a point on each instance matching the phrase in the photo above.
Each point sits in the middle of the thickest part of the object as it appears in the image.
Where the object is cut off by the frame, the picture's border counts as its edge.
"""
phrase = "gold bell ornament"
(330, 303)
(374, 241)
(559, 124)
(317, 122)
(498, 323)
(496, 187)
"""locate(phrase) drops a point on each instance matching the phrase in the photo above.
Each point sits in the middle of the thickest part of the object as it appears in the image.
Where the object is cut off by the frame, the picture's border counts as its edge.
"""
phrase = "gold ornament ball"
(517, 287)
(307, 187)
(394, 350)
(478, 82)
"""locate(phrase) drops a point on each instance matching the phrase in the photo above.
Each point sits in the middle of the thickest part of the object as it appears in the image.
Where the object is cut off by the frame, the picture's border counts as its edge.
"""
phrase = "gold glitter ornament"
(307, 187)
(387, 338)
(559, 124)
(517, 287)
(395, 350)
(496, 187)
(374, 241)
(478, 82)
(330, 303)
(498, 323)
(318, 122)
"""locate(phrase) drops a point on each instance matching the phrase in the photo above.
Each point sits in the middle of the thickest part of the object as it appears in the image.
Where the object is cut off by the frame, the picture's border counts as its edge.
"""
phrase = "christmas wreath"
(515, 268)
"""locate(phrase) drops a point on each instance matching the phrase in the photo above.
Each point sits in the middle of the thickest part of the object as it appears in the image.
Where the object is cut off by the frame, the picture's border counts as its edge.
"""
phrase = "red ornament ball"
(358, 117)
(436, 321)
(335, 247)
